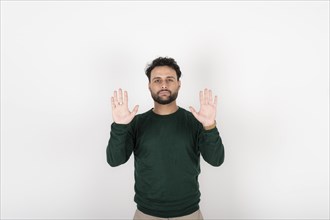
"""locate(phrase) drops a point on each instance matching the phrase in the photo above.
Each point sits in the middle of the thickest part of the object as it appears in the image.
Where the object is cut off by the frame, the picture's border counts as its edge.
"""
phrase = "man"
(167, 142)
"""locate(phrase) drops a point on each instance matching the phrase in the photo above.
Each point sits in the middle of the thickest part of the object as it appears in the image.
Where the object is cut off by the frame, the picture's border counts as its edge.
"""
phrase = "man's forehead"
(163, 72)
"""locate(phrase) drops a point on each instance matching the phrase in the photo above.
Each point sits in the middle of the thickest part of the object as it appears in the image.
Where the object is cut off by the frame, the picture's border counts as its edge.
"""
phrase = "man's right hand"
(120, 111)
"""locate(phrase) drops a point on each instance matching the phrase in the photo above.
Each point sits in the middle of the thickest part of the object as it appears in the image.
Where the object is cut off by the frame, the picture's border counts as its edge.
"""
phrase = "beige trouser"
(193, 216)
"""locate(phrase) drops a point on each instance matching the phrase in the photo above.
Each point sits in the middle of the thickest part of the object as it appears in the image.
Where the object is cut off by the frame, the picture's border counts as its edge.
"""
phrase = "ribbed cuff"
(211, 126)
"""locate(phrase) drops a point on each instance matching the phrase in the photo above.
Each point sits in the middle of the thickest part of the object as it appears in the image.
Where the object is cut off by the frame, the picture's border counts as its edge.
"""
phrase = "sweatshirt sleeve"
(211, 147)
(120, 145)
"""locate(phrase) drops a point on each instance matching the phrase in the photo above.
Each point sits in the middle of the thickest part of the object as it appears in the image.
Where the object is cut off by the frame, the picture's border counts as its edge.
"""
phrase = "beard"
(164, 100)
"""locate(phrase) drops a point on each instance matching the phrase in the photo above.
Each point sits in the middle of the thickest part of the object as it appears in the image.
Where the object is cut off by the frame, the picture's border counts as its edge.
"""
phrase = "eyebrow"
(167, 77)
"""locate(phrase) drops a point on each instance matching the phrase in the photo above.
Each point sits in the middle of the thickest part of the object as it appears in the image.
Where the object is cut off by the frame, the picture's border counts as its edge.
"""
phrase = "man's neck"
(165, 109)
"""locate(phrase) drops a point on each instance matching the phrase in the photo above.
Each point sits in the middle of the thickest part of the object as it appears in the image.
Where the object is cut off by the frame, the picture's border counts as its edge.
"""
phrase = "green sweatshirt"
(167, 152)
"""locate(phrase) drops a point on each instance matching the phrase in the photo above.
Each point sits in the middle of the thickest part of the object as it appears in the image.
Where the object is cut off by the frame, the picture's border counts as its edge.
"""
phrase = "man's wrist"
(209, 127)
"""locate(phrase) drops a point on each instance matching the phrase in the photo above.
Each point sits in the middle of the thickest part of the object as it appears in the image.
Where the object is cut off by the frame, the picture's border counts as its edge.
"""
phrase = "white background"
(268, 61)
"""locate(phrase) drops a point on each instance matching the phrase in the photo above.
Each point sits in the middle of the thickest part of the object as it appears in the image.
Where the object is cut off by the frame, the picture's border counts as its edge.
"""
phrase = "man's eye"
(157, 81)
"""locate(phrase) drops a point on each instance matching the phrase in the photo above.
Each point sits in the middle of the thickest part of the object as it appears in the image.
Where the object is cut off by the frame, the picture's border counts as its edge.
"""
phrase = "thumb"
(135, 109)
(193, 111)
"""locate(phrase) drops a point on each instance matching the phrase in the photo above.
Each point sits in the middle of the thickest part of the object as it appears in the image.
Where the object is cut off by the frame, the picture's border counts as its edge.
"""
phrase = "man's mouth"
(164, 92)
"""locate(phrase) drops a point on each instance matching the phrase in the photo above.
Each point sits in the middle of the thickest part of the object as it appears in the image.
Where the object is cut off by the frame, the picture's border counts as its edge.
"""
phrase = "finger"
(120, 99)
(115, 97)
(193, 111)
(201, 98)
(206, 95)
(113, 103)
(125, 101)
(215, 100)
(135, 109)
(210, 97)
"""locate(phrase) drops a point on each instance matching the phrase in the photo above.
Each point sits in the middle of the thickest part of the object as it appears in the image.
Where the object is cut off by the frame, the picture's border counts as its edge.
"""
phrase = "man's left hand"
(208, 107)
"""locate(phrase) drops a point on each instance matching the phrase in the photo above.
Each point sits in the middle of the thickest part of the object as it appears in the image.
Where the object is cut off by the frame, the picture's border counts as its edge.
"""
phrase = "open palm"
(120, 111)
(208, 106)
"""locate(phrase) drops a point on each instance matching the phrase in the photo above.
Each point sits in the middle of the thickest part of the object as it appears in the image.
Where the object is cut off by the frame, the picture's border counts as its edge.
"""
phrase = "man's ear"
(179, 83)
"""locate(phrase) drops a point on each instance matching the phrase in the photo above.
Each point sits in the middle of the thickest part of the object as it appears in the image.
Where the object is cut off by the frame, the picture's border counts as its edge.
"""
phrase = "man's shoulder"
(187, 113)
(144, 114)
(188, 116)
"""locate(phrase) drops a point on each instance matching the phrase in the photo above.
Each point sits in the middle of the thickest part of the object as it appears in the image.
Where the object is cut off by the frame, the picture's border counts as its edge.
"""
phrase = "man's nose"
(164, 85)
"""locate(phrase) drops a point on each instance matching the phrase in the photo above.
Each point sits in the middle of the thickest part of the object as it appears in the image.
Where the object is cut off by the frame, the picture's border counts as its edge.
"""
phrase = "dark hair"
(163, 61)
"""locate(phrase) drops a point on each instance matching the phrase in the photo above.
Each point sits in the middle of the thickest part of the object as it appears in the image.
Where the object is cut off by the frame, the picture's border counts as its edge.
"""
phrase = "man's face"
(164, 85)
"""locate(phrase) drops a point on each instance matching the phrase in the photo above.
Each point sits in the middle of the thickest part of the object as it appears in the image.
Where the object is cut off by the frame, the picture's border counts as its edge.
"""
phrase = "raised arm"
(209, 141)
(121, 142)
